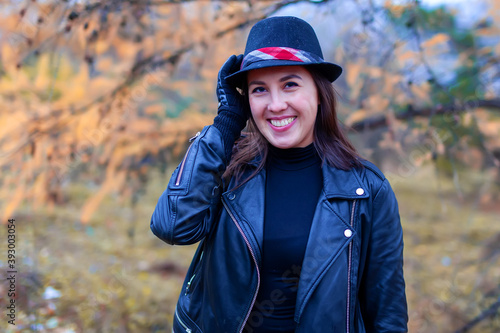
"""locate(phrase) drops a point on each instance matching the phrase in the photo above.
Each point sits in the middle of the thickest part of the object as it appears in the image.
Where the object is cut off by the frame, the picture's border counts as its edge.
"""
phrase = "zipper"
(254, 260)
(181, 169)
(188, 330)
(349, 272)
(192, 276)
(191, 139)
(189, 284)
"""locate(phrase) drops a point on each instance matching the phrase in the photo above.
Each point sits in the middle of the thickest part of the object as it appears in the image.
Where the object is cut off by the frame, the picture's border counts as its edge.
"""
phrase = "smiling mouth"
(282, 122)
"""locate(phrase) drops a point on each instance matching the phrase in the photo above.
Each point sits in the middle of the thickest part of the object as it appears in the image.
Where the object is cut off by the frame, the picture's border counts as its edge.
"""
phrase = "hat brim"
(329, 70)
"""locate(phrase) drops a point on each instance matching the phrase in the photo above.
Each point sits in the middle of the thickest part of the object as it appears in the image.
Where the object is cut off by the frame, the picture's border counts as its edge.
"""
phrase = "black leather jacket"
(352, 274)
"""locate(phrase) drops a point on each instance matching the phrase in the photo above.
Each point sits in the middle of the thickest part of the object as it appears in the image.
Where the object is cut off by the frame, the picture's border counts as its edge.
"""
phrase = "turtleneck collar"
(293, 158)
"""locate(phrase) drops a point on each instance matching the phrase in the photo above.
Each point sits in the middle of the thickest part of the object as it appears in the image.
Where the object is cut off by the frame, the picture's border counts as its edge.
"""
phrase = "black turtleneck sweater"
(293, 186)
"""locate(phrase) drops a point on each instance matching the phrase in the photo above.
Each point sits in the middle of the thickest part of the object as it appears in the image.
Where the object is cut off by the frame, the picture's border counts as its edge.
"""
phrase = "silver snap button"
(231, 196)
(347, 233)
(360, 191)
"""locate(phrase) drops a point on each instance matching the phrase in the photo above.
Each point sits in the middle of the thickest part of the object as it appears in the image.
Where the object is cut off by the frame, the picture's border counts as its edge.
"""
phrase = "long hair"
(330, 141)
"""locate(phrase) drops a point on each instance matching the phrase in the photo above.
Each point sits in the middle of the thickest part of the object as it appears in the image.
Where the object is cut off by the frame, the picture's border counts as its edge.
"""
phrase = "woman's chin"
(282, 143)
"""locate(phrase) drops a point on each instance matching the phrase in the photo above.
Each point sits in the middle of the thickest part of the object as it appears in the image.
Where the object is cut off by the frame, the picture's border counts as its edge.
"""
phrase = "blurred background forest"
(98, 100)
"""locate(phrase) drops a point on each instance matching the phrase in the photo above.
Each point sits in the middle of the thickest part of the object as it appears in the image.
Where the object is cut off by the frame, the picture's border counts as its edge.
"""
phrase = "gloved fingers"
(226, 68)
(236, 64)
(231, 65)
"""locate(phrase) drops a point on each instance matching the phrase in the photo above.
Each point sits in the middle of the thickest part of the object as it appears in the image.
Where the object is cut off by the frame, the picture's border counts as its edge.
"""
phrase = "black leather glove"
(231, 116)
(229, 98)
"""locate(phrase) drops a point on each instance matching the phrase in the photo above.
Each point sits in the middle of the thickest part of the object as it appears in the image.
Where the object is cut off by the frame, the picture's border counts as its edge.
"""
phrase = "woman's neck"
(293, 158)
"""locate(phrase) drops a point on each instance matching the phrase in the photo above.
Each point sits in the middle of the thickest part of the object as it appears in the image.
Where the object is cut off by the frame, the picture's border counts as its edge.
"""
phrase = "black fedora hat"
(283, 41)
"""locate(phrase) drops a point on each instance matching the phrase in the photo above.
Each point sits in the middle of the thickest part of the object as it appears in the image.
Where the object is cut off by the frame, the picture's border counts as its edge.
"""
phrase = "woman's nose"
(277, 103)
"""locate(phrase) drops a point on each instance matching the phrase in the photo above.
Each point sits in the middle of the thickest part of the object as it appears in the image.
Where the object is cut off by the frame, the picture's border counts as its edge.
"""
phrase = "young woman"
(297, 233)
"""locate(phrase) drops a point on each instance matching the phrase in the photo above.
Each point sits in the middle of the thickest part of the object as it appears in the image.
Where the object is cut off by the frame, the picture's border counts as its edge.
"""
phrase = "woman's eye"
(291, 84)
(258, 90)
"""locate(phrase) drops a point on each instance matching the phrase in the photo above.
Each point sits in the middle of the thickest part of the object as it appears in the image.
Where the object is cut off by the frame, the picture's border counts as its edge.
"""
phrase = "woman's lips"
(283, 124)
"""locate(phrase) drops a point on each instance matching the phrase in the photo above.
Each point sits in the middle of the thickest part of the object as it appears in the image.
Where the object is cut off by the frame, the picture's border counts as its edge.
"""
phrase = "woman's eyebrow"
(283, 79)
(291, 76)
(259, 83)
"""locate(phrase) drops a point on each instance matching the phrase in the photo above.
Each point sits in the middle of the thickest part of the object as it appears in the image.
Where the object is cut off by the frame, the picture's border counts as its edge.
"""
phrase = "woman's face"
(284, 104)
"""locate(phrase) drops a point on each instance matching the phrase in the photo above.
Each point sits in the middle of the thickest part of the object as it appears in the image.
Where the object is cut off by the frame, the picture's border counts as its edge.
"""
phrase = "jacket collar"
(337, 183)
(342, 184)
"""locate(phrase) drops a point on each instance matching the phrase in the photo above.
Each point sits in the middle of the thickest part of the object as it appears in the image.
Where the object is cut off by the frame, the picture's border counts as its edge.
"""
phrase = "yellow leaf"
(101, 46)
(421, 92)
(352, 71)
(15, 201)
(407, 55)
(12, 122)
(130, 303)
(435, 40)
(396, 10)
(40, 190)
(356, 116)
(104, 64)
(43, 78)
(158, 109)
(142, 126)
(8, 54)
(146, 291)
(88, 125)
(184, 87)
(391, 81)
(125, 49)
(100, 86)
(488, 32)
(65, 70)
(376, 103)
(375, 72)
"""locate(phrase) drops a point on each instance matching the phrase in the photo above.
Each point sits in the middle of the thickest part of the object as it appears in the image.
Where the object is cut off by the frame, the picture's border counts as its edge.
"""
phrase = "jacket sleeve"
(382, 294)
(188, 207)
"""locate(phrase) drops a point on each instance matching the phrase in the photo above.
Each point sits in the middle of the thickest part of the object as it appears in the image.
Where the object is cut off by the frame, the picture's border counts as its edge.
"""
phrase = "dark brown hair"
(330, 141)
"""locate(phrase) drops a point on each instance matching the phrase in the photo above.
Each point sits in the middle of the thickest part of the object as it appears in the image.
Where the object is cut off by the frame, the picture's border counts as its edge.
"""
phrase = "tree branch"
(382, 121)
(485, 314)
(143, 66)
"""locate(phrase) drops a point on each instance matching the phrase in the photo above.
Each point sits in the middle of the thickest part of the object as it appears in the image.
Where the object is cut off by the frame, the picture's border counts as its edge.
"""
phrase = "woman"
(297, 232)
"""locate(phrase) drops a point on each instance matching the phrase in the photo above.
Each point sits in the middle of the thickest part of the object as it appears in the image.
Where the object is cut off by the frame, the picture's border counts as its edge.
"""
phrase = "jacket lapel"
(330, 232)
(247, 205)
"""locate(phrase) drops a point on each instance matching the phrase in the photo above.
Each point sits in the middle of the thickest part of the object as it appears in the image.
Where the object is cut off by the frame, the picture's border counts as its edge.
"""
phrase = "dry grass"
(452, 252)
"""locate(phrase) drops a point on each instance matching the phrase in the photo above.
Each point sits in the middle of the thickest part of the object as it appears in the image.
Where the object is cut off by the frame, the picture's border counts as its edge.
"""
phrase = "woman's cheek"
(254, 108)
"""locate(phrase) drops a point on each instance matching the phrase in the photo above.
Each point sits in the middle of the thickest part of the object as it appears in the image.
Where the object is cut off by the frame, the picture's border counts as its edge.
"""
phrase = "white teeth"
(282, 122)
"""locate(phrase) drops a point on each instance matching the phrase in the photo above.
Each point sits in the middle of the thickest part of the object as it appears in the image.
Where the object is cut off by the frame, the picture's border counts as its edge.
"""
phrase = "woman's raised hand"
(229, 98)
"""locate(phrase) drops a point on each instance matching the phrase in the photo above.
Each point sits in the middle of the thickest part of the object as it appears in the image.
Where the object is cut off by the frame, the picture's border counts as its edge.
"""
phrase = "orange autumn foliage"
(101, 92)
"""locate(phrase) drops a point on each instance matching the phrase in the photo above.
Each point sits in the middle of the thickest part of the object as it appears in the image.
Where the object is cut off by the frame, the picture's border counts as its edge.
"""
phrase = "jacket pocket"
(196, 272)
(184, 324)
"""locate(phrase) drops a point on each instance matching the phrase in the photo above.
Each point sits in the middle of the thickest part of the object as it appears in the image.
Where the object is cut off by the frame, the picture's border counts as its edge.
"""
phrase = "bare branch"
(382, 121)
(489, 312)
